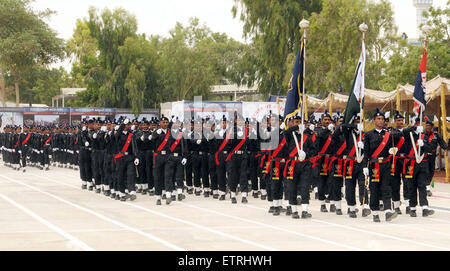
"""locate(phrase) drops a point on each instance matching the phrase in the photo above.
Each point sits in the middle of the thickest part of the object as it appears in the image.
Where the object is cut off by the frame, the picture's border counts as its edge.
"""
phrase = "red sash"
(410, 172)
(17, 143)
(325, 161)
(339, 165)
(124, 148)
(48, 140)
(295, 151)
(394, 161)
(376, 170)
(269, 160)
(349, 163)
(162, 145)
(382, 145)
(430, 137)
(238, 146)
(177, 141)
(224, 143)
(26, 139)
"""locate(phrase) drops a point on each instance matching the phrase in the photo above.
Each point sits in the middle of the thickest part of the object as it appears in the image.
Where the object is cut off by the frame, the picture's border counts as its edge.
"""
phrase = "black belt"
(238, 152)
(324, 155)
(162, 152)
(379, 159)
(175, 154)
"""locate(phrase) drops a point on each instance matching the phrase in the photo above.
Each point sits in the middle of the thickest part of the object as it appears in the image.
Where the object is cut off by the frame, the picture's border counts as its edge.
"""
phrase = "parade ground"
(47, 210)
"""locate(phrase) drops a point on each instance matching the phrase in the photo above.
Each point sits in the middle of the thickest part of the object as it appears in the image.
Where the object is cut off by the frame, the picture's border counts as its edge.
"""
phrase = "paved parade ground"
(47, 210)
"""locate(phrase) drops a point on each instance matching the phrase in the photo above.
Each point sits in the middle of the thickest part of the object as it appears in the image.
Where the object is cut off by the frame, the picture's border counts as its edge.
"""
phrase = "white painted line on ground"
(55, 228)
(373, 233)
(183, 221)
(273, 227)
(112, 221)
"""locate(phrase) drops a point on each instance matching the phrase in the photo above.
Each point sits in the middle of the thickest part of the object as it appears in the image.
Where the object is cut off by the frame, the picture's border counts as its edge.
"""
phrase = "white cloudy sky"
(159, 16)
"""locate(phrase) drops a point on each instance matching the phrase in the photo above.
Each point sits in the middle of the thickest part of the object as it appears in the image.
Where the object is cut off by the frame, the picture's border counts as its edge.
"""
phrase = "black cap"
(378, 113)
(398, 115)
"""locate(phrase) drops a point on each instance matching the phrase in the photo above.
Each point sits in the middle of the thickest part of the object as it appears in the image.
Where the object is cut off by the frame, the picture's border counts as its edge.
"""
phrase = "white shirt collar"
(378, 130)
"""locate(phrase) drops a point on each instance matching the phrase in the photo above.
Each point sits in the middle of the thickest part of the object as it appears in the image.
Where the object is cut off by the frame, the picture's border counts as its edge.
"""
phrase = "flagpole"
(363, 28)
(425, 31)
(304, 24)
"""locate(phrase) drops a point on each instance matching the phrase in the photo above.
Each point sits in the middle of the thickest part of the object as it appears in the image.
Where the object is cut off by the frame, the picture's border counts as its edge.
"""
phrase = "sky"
(159, 16)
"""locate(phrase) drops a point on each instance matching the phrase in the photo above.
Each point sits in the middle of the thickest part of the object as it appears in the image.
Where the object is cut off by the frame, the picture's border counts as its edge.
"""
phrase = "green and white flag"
(356, 97)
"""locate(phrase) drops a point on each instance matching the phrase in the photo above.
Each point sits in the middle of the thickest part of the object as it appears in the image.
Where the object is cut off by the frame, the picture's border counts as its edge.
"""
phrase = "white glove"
(84, 128)
(360, 127)
(159, 131)
(387, 114)
(49, 157)
(312, 127)
(419, 129)
(110, 132)
(360, 145)
(126, 121)
(136, 161)
(183, 130)
(240, 134)
(420, 142)
(366, 171)
(94, 135)
(199, 142)
(42, 151)
(103, 129)
(150, 137)
(282, 126)
(116, 127)
(133, 127)
(183, 162)
(331, 126)
(86, 144)
(301, 128)
(142, 137)
(221, 132)
(20, 152)
(302, 155)
(393, 150)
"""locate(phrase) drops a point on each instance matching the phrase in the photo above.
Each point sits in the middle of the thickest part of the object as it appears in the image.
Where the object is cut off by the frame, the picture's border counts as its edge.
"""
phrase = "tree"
(404, 62)
(26, 40)
(273, 27)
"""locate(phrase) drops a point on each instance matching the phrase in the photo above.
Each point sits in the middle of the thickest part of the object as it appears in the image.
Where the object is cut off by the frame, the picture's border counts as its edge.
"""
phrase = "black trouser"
(212, 167)
(188, 170)
(381, 187)
(24, 154)
(126, 173)
(299, 184)
(142, 178)
(322, 187)
(252, 171)
(108, 169)
(418, 182)
(357, 178)
(158, 172)
(222, 171)
(85, 165)
(396, 181)
(276, 180)
(262, 179)
(431, 166)
(173, 173)
(149, 168)
(235, 166)
(200, 169)
(97, 157)
(336, 180)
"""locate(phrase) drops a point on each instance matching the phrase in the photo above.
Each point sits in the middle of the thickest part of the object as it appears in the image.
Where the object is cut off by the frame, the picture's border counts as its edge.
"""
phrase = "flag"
(356, 96)
(419, 86)
(293, 100)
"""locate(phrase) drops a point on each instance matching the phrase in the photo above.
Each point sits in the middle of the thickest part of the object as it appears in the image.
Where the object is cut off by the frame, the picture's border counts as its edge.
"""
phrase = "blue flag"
(293, 100)
(419, 86)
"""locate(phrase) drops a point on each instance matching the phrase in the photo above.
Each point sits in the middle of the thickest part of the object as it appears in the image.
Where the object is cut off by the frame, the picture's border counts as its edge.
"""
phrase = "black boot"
(352, 214)
(263, 197)
(139, 191)
(429, 194)
(413, 213)
(376, 218)
(83, 186)
(295, 215)
(222, 197)
(97, 191)
(390, 216)
(272, 209)
(408, 210)
(305, 214)
(117, 196)
(173, 197)
(276, 211)
(338, 211)
(158, 202)
(289, 210)
(233, 200)
(190, 191)
(90, 188)
(206, 194)
(381, 207)
(427, 212)
(168, 200)
(144, 191)
(244, 200)
(107, 193)
(255, 195)
(151, 192)
(132, 197)
(215, 196)
(180, 197)
(366, 212)
(123, 198)
(316, 196)
(332, 208)
(397, 210)
(113, 195)
(197, 193)
(164, 196)
(323, 208)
